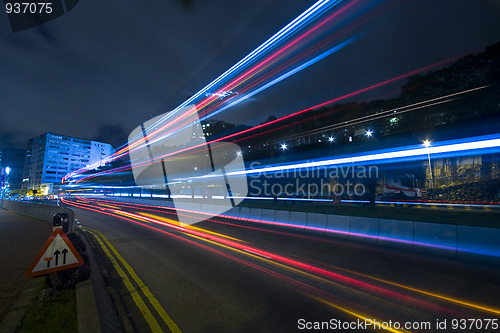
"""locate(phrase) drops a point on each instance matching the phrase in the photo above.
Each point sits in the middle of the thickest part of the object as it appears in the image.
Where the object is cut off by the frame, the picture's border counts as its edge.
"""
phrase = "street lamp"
(284, 146)
(368, 133)
(5, 186)
(427, 145)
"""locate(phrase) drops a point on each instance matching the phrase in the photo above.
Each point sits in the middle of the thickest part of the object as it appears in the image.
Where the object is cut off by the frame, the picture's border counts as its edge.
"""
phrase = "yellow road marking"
(155, 327)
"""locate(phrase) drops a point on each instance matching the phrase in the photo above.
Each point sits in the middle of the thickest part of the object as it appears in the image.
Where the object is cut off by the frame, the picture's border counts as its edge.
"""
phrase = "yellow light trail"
(251, 255)
(424, 292)
(355, 314)
(167, 220)
(431, 294)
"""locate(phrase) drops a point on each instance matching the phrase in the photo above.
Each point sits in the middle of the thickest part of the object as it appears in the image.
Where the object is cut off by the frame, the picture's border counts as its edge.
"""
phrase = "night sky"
(105, 67)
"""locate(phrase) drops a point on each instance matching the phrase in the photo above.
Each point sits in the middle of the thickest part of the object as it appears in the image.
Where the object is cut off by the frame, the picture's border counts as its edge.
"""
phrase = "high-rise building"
(49, 157)
(13, 159)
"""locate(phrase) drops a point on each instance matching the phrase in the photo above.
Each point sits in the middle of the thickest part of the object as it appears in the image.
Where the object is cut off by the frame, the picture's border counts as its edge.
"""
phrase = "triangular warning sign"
(56, 255)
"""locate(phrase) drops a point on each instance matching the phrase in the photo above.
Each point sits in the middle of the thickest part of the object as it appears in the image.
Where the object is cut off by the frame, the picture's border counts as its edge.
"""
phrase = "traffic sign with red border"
(56, 255)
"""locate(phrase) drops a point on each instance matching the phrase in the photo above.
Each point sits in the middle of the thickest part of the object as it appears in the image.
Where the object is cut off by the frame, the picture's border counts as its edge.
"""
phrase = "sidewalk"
(21, 239)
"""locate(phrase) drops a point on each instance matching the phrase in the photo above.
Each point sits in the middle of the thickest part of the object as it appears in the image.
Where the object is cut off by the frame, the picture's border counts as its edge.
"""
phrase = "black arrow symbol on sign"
(56, 254)
(64, 252)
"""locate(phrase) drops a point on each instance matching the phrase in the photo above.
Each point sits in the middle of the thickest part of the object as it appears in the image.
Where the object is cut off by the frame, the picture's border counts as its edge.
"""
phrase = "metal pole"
(430, 168)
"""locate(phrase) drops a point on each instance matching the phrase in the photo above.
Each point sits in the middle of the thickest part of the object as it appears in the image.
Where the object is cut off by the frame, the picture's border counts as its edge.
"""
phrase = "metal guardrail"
(38, 210)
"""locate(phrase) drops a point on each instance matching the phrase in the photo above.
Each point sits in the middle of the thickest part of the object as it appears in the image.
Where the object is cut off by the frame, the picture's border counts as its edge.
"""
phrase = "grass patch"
(51, 314)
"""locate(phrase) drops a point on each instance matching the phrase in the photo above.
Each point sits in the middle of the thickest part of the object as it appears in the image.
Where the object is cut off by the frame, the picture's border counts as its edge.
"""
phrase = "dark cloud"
(115, 63)
(113, 134)
(7, 139)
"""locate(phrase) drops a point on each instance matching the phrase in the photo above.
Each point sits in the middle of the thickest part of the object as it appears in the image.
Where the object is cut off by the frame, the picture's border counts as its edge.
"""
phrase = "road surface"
(223, 275)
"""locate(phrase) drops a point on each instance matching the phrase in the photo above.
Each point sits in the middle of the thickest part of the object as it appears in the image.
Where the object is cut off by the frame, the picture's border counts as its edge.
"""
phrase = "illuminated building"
(49, 157)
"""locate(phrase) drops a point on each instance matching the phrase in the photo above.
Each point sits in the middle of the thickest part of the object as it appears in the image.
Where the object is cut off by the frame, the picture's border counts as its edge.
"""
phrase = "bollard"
(61, 220)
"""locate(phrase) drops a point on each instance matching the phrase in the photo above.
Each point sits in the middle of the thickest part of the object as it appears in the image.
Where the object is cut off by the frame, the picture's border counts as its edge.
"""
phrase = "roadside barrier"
(38, 210)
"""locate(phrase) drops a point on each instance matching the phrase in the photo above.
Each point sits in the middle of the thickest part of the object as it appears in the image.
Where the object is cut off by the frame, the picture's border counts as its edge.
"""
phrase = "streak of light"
(123, 168)
(355, 314)
(427, 293)
(309, 288)
(305, 18)
(325, 230)
(191, 227)
(311, 13)
(398, 154)
(294, 265)
(301, 266)
(283, 77)
(399, 110)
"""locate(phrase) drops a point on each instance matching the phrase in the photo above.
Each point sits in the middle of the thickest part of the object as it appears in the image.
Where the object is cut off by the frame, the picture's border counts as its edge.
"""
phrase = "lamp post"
(427, 144)
(6, 183)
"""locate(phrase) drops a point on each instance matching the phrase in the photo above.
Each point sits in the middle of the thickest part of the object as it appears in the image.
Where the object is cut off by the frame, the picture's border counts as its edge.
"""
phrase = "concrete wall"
(40, 211)
(447, 239)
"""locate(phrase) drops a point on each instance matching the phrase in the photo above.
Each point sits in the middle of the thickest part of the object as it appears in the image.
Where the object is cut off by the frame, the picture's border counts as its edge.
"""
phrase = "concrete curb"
(86, 308)
(96, 311)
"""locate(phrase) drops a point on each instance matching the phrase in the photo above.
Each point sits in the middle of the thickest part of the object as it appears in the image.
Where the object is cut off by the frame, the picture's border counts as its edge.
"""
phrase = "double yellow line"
(116, 259)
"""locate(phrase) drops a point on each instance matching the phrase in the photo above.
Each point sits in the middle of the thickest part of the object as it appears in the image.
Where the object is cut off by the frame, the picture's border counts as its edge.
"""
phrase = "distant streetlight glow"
(7, 170)
(368, 133)
(331, 139)
(284, 146)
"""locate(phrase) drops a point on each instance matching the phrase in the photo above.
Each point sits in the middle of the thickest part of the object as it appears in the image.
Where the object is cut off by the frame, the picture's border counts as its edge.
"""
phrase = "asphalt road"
(231, 276)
